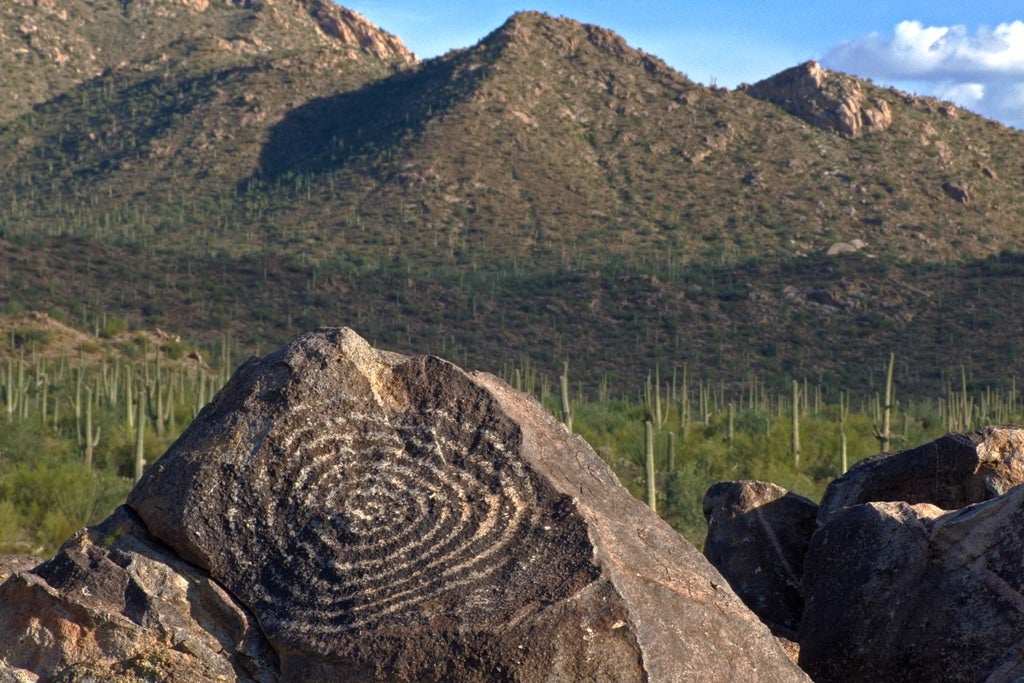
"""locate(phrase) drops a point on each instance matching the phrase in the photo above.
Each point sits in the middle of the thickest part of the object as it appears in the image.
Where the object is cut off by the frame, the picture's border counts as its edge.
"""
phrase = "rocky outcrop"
(381, 517)
(825, 99)
(958, 192)
(912, 571)
(757, 536)
(951, 472)
(851, 247)
(115, 604)
(352, 28)
(899, 592)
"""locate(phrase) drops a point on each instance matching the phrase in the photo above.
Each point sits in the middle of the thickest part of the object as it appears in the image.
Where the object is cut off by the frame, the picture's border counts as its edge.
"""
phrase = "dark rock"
(951, 472)
(960, 192)
(899, 592)
(757, 536)
(386, 517)
(115, 604)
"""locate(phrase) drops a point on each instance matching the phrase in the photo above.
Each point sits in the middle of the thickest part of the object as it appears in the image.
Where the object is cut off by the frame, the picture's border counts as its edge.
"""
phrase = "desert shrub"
(113, 326)
(175, 349)
(31, 338)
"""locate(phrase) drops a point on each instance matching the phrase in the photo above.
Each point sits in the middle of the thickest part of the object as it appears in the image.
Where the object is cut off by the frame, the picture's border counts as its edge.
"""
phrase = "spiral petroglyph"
(405, 515)
(386, 517)
(398, 505)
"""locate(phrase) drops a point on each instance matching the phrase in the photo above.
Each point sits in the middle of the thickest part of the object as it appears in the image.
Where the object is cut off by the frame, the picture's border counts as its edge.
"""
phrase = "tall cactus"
(844, 412)
(140, 431)
(91, 439)
(563, 382)
(884, 434)
(651, 487)
(795, 442)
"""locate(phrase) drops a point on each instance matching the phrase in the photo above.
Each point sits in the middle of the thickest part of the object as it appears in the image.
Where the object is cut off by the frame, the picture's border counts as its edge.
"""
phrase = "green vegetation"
(73, 433)
(76, 430)
(714, 435)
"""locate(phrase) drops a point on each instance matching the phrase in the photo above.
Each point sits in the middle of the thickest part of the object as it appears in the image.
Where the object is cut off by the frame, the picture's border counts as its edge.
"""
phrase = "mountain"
(548, 193)
(48, 47)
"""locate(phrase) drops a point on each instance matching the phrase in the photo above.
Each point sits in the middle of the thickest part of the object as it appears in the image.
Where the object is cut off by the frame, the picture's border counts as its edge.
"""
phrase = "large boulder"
(951, 472)
(757, 536)
(900, 592)
(381, 517)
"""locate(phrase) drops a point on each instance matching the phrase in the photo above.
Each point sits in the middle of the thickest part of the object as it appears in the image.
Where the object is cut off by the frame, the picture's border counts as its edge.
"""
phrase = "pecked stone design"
(386, 517)
(393, 508)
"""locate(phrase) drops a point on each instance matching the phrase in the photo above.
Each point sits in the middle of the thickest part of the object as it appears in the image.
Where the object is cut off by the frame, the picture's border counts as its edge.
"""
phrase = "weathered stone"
(9, 674)
(828, 100)
(951, 472)
(757, 536)
(118, 605)
(850, 247)
(960, 192)
(16, 563)
(386, 517)
(898, 592)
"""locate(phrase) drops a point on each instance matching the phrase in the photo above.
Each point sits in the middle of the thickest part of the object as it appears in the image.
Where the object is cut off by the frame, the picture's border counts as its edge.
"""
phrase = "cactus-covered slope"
(550, 192)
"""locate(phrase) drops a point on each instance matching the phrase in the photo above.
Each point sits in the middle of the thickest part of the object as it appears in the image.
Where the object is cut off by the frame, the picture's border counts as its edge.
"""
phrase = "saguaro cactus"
(795, 443)
(91, 440)
(884, 435)
(652, 491)
(140, 432)
(844, 412)
(563, 381)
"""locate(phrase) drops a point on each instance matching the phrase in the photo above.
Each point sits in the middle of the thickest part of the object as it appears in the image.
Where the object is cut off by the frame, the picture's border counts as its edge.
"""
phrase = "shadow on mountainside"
(330, 132)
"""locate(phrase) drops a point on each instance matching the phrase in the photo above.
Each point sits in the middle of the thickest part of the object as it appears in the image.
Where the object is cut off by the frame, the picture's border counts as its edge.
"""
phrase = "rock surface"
(951, 472)
(117, 605)
(958, 192)
(16, 563)
(901, 592)
(757, 536)
(824, 99)
(381, 517)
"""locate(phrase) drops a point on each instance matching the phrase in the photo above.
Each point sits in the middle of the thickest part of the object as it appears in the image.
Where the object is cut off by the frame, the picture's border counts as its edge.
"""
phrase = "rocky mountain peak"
(534, 32)
(825, 99)
(47, 47)
(352, 28)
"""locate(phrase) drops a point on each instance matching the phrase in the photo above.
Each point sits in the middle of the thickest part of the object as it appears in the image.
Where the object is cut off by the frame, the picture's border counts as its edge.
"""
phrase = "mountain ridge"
(69, 43)
(551, 156)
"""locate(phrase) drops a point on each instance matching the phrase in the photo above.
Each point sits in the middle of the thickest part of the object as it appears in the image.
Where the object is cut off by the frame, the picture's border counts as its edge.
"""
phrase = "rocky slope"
(546, 183)
(61, 44)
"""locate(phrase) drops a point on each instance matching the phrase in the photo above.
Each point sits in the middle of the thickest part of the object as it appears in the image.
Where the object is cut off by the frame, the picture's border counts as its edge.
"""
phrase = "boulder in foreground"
(951, 472)
(377, 516)
(757, 536)
(900, 592)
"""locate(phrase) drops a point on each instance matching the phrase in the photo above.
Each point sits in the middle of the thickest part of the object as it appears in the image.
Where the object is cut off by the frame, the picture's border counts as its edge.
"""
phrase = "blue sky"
(971, 53)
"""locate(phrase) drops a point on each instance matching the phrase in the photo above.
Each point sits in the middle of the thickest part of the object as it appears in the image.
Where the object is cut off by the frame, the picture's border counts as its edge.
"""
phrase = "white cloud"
(983, 70)
(967, 94)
